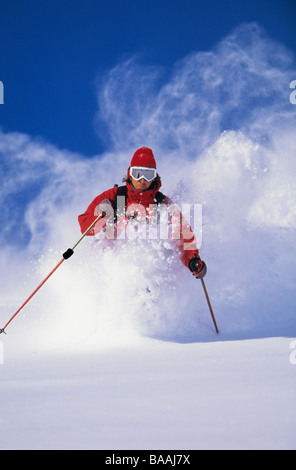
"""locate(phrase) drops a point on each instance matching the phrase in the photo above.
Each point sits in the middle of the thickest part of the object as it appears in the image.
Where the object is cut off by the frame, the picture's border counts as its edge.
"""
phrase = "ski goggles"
(139, 172)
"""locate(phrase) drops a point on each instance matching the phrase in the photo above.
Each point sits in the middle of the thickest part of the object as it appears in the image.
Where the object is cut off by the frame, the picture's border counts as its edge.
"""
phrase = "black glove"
(197, 267)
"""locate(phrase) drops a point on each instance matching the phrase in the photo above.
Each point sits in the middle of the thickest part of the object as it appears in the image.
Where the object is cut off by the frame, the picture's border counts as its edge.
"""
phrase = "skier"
(141, 194)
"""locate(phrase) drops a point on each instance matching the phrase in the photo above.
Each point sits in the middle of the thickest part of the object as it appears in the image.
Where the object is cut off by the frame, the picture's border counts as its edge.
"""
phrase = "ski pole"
(209, 304)
(66, 255)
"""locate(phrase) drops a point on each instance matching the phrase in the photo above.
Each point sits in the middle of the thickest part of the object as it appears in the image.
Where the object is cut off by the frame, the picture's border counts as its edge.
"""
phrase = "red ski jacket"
(137, 204)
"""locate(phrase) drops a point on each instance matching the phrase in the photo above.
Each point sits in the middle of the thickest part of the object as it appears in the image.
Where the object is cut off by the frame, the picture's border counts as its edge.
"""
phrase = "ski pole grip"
(68, 253)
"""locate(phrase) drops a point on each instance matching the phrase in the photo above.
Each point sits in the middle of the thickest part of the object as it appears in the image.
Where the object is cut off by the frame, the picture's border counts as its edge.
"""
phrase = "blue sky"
(54, 53)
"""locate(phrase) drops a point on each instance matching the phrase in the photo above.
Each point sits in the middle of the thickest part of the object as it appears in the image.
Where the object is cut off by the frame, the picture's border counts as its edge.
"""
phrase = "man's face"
(142, 184)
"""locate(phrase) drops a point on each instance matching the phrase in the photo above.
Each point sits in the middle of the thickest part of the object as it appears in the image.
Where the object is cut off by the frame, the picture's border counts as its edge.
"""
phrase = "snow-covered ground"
(151, 394)
(115, 370)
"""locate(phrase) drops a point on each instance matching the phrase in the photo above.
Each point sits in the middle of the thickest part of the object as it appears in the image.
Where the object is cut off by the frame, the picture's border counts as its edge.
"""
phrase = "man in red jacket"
(138, 200)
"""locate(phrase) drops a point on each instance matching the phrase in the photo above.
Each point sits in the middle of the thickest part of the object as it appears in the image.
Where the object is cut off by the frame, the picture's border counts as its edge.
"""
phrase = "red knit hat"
(143, 157)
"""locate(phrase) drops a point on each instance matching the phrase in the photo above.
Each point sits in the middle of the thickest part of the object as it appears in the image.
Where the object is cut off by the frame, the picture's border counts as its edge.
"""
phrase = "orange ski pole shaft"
(66, 255)
(2, 330)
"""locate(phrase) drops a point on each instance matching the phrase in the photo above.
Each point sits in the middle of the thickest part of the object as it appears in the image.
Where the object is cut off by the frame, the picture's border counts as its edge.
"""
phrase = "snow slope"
(149, 394)
(104, 376)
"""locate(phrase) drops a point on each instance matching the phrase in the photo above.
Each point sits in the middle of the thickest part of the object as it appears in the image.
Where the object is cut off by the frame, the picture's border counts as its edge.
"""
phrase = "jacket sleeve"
(91, 213)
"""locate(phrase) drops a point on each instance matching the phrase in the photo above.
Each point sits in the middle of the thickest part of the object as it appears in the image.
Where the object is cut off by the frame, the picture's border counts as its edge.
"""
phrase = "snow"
(118, 349)
(150, 394)
(114, 370)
